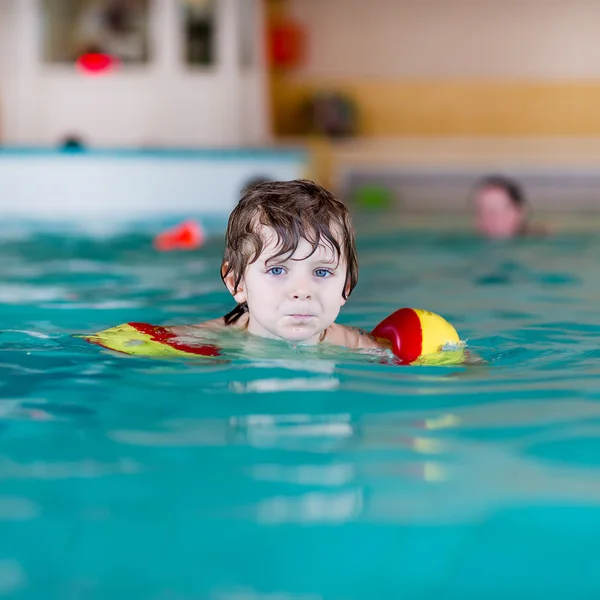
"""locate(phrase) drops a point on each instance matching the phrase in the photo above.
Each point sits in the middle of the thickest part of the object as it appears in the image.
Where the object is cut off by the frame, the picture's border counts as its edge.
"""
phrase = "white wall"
(450, 38)
(117, 186)
(5, 9)
(163, 104)
(255, 114)
(8, 66)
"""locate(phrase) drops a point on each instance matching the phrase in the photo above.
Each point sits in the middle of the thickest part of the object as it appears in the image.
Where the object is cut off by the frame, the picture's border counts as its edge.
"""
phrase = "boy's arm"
(353, 338)
(212, 325)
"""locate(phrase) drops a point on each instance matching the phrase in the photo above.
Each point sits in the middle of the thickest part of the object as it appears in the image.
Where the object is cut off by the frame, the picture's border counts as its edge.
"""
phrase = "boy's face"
(292, 298)
(497, 216)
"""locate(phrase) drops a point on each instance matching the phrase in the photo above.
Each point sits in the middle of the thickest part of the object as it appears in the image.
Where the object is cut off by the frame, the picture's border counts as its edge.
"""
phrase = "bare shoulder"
(351, 337)
(212, 325)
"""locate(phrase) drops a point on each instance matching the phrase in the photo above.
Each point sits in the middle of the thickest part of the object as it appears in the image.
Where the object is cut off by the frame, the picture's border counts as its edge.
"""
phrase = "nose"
(301, 295)
(300, 289)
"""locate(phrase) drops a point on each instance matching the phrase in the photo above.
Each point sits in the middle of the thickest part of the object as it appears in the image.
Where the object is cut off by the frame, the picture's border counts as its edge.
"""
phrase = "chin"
(299, 335)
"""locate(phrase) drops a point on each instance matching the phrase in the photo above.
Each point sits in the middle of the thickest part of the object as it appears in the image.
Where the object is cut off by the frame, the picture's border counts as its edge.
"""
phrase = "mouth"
(300, 317)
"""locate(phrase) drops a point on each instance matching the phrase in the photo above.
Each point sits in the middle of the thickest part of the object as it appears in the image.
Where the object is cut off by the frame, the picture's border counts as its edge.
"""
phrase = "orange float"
(188, 235)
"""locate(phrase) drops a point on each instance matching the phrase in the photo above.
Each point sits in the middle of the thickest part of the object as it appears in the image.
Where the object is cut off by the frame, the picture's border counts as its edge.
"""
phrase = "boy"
(290, 263)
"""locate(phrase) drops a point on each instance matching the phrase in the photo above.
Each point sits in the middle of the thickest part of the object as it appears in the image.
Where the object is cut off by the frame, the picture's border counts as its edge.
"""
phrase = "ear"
(346, 293)
(239, 294)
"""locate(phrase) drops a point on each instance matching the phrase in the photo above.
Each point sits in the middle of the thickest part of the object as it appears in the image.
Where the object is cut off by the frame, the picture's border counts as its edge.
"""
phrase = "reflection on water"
(12, 577)
(451, 452)
(297, 473)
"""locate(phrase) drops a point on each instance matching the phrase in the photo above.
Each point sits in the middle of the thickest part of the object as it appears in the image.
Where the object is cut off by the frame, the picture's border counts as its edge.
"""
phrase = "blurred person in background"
(501, 209)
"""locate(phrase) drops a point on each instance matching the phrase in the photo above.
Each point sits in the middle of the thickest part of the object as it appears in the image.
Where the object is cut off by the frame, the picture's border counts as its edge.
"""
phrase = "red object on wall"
(95, 63)
(286, 44)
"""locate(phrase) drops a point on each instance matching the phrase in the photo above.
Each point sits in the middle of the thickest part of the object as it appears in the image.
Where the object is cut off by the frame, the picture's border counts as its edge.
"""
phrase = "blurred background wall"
(444, 91)
(433, 67)
(171, 98)
(419, 98)
(453, 67)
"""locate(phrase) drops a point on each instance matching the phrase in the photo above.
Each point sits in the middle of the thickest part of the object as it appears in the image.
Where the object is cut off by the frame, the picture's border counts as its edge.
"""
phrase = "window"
(199, 18)
(117, 28)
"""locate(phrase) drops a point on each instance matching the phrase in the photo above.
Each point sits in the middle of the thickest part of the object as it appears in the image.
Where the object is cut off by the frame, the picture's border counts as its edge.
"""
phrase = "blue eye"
(275, 271)
(323, 273)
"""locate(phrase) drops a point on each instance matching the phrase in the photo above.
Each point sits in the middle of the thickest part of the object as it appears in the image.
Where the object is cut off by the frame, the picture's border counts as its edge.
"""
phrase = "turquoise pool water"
(293, 476)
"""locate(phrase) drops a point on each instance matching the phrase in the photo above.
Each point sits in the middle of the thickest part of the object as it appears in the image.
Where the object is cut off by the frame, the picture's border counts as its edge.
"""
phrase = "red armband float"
(143, 339)
(414, 333)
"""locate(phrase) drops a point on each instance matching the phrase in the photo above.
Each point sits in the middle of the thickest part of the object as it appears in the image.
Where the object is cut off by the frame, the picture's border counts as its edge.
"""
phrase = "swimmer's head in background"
(500, 207)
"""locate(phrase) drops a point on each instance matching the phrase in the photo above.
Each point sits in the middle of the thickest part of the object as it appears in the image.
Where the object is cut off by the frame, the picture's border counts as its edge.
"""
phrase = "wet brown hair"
(294, 210)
